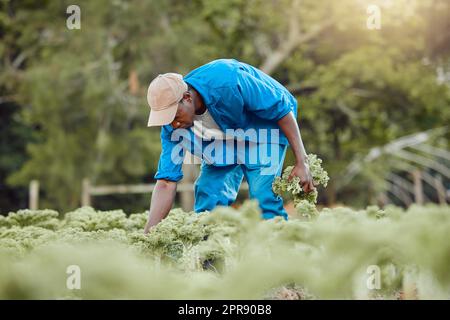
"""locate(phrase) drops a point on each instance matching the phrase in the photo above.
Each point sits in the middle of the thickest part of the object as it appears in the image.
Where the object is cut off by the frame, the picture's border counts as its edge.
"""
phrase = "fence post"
(418, 188)
(34, 195)
(439, 186)
(190, 172)
(382, 199)
(85, 193)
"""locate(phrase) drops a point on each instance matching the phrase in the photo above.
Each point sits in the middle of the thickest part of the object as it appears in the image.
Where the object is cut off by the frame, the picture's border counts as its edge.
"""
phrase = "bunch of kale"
(304, 202)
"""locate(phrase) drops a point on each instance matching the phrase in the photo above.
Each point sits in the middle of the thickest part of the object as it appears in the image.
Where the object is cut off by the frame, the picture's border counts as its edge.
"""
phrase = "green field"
(227, 254)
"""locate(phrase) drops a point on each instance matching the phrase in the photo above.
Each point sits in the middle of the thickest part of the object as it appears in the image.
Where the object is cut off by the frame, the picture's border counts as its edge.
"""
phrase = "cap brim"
(162, 117)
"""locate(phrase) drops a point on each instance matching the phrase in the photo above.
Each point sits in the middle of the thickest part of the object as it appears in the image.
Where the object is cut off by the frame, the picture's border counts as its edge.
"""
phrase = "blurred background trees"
(72, 102)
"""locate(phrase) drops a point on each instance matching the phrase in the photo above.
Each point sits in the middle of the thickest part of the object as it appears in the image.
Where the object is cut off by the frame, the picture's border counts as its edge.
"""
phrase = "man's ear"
(187, 96)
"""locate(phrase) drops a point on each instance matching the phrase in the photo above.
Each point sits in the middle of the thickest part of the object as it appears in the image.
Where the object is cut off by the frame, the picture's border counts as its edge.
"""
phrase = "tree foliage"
(82, 92)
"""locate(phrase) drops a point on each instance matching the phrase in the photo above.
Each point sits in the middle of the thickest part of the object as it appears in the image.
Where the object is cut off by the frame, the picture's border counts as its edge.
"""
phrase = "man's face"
(185, 113)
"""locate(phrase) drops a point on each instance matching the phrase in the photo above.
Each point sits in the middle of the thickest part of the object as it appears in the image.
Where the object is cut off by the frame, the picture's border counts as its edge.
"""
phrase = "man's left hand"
(301, 170)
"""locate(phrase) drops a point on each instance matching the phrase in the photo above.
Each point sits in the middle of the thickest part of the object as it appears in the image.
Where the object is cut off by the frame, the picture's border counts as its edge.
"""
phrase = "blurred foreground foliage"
(211, 255)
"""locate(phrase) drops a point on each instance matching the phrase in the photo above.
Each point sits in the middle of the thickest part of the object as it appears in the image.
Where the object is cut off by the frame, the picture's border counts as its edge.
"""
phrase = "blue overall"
(246, 103)
(219, 185)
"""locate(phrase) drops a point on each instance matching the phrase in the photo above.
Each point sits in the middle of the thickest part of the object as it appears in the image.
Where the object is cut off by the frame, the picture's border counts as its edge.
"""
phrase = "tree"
(82, 92)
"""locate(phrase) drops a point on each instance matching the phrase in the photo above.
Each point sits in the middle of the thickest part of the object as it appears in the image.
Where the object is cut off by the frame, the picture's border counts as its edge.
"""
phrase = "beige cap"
(163, 95)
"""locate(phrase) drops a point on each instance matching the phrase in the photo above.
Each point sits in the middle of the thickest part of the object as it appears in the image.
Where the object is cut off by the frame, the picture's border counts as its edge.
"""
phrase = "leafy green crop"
(47, 219)
(304, 202)
(228, 254)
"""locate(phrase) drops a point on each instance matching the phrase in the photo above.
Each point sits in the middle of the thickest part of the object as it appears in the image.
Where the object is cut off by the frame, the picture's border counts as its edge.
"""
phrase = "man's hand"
(148, 227)
(301, 170)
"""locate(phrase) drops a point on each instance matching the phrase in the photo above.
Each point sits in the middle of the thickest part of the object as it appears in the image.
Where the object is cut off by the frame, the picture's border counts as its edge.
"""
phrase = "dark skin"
(289, 126)
(192, 104)
(163, 195)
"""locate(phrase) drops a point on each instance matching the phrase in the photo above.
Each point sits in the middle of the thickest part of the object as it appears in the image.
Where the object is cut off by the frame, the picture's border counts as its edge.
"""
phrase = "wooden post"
(85, 193)
(439, 186)
(418, 188)
(190, 172)
(34, 195)
(187, 194)
(382, 200)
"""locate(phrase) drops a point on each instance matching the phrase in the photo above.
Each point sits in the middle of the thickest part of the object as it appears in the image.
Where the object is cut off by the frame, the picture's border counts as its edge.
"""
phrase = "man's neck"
(200, 107)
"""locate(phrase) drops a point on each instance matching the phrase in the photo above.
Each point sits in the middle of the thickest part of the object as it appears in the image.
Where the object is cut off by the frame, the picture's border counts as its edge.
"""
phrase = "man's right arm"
(162, 200)
(168, 174)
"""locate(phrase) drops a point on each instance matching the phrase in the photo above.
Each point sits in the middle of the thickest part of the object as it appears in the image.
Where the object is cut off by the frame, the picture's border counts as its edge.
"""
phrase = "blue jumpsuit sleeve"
(171, 158)
(262, 99)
